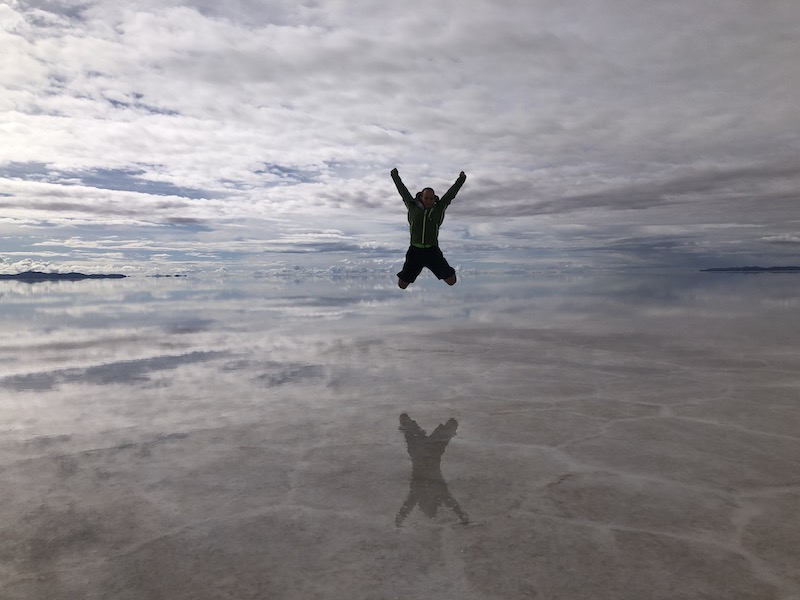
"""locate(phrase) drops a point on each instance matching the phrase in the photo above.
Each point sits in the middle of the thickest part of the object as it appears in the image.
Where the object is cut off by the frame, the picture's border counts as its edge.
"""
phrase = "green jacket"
(424, 223)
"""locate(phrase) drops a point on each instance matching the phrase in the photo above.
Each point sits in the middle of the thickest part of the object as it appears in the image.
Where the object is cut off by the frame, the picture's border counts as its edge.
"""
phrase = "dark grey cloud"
(497, 199)
(698, 184)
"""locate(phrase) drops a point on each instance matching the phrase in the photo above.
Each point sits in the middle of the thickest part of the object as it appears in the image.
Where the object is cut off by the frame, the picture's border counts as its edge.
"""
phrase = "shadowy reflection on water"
(427, 488)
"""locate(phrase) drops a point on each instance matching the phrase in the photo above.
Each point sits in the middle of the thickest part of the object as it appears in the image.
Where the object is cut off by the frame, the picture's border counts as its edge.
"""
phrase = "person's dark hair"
(422, 191)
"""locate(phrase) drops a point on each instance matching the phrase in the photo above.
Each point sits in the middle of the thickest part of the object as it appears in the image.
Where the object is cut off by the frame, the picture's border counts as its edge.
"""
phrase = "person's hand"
(394, 172)
(462, 175)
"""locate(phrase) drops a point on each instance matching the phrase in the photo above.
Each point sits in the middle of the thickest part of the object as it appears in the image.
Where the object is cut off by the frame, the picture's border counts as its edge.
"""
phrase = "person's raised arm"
(401, 187)
(451, 193)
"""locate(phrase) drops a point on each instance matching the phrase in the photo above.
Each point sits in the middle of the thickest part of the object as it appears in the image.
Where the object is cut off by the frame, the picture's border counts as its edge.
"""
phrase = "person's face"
(428, 197)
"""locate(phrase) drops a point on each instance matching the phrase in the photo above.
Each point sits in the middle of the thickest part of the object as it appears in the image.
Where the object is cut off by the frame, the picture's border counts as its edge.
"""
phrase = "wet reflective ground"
(608, 435)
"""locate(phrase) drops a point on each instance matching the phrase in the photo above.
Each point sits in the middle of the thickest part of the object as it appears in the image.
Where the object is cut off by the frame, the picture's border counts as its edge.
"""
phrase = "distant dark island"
(752, 270)
(40, 276)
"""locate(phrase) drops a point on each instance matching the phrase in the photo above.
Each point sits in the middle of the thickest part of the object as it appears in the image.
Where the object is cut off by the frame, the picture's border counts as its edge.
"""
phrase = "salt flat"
(595, 437)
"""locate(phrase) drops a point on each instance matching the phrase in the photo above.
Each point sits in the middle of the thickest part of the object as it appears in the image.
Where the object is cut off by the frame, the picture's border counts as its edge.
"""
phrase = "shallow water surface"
(596, 435)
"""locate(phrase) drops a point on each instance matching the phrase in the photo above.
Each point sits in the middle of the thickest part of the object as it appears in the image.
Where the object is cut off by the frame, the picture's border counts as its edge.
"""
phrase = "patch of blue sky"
(137, 104)
(289, 175)
(128, 180)
(34, 171)
(123, 180)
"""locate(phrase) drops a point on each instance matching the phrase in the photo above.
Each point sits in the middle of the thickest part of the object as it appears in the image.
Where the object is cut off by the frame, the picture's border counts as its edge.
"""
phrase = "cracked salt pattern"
(619, 437)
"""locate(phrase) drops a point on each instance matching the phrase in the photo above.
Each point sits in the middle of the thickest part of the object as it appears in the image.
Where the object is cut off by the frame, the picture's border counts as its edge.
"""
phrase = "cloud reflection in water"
(208, 414)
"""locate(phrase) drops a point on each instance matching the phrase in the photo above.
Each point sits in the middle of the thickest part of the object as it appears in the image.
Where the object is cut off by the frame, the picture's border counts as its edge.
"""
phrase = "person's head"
(429, 197)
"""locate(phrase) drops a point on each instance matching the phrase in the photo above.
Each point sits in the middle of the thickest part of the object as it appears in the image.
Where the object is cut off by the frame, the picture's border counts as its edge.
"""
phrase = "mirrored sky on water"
(204, 348)
(612, 428)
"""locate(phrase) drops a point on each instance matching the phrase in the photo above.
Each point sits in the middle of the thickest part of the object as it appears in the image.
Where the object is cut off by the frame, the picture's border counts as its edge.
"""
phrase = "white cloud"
(211, 113)
(782, 239)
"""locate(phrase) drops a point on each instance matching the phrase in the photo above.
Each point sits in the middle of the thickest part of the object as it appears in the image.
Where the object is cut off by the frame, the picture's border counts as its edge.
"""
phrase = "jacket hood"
(418, 200)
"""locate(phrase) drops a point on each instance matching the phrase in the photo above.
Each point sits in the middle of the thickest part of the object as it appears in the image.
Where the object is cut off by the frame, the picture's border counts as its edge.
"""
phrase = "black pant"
(419, 258)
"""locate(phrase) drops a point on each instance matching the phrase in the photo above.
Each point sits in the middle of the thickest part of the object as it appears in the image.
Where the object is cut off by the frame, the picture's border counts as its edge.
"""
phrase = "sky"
(167, 136)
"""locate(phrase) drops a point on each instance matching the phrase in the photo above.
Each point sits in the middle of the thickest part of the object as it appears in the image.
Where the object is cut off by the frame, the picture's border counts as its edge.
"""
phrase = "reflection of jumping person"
(428, 488)
(425, 216)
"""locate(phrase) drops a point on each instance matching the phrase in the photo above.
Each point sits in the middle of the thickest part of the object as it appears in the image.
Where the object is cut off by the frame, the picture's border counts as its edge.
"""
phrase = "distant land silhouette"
(752, 270)
(31, 276)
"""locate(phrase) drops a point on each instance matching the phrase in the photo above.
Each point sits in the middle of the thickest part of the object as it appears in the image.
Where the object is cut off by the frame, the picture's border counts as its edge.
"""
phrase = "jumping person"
(425, 216)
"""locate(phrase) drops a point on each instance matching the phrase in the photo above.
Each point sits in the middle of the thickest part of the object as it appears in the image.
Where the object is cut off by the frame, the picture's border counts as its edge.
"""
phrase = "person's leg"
(440, 267)
(412, 267)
